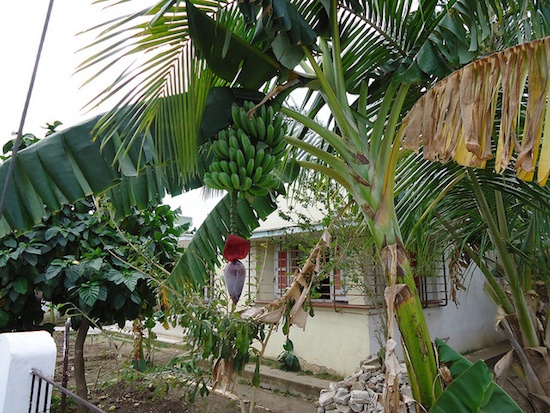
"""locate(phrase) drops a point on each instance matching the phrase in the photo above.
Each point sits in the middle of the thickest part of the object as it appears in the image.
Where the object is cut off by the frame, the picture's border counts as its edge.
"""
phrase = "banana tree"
(372, 48)
(380, 56)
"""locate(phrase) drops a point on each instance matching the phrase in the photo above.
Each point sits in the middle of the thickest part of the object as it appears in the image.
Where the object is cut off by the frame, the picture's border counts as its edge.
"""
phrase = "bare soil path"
(115, 387)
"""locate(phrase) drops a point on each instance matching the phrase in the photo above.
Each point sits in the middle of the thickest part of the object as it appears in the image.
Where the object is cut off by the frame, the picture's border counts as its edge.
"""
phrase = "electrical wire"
(24, 114)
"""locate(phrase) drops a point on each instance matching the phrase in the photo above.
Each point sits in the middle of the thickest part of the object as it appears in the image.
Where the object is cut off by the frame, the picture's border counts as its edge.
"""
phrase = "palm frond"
(163, 82)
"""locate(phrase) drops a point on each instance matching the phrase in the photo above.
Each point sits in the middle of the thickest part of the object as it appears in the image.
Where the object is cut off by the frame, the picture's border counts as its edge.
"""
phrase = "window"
(288, 261)
(433, 290)
(350, 278)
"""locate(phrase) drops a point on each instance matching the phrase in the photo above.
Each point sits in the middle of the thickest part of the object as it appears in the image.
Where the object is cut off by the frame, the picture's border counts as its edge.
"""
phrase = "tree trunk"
(79, 370)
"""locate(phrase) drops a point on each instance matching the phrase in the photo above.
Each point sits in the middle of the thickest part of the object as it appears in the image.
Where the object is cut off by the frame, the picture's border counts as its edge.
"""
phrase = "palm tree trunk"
(79, 370)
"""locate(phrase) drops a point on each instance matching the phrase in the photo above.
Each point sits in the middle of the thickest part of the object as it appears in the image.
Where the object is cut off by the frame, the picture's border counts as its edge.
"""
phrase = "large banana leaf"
(472, 389)
(68, 166)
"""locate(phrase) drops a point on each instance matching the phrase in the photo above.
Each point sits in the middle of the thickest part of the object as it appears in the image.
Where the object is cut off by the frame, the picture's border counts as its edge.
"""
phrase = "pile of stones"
(362, 391)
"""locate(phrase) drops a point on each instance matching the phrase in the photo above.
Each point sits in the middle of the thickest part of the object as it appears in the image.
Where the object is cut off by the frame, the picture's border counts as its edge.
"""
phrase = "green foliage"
(84, 262)
(288, 361)
(472, 388)
(213, 333)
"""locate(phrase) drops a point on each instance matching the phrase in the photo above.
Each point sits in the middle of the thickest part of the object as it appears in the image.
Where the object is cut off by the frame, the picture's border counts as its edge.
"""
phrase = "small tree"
(95, 268)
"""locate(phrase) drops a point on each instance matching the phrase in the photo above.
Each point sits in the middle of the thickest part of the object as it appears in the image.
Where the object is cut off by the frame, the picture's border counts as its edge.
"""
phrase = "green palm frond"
(163, 86)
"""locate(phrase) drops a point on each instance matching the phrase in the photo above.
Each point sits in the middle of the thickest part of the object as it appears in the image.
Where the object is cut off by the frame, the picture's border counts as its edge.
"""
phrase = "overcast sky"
(57, 94)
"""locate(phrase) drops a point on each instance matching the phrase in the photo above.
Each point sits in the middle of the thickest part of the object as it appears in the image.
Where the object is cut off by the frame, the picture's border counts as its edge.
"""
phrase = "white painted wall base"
(19, 353)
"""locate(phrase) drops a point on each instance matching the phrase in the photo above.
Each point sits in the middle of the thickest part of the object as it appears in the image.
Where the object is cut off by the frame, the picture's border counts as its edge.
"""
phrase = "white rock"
(342, 399)
(326, 398)
(355, 407)
(360, 396)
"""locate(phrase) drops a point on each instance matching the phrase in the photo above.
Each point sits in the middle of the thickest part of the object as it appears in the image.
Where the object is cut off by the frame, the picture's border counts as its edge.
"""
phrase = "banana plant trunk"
(375, 196)
(406, 307)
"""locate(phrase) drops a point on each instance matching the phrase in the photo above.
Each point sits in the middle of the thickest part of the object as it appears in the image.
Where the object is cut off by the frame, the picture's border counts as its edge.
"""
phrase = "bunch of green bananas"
(247, 153)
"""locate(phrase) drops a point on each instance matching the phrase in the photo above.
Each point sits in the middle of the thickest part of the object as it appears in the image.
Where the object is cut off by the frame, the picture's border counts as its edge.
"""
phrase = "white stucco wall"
(333, 340)
(340, 340)
(471, 326)
(19, 353)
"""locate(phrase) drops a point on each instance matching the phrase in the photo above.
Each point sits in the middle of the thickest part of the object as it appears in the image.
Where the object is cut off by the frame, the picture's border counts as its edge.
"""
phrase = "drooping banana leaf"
(69, 165)
(203, 254)
(456, 119)
(472, 389)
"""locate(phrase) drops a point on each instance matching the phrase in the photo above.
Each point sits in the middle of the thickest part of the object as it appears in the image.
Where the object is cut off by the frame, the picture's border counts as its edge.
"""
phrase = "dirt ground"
(115, 387)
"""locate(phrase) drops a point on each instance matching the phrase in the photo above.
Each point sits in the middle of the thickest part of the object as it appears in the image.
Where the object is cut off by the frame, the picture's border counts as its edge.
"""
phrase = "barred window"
(347, 280)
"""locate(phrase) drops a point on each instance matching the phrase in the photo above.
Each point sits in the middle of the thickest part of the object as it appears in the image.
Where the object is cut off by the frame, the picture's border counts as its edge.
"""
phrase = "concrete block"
(19, 353)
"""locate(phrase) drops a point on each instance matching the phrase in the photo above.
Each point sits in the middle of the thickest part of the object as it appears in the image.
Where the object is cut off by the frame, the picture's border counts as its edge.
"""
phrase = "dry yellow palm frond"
(456, 119)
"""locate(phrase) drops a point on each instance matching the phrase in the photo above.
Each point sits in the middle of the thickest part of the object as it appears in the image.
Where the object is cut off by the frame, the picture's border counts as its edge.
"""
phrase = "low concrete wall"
(19, 353)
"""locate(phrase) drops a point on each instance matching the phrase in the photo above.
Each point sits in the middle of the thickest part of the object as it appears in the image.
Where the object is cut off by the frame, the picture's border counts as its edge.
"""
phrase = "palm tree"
(502, 224)
(367, 61)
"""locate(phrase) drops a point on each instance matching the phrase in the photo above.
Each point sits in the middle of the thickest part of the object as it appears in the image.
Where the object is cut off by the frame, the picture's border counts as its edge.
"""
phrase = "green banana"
(262, 131)
(260, 155)
(223, 148)
(242, 174)
(248, 105)
(269, 163)
(225, 180)
(215, 167)
(250, 152)
(235, 115)
(269, 115)
(215, 178)
(233, 154)
(250, 167)
(246, 184)
(257, 174)
(224, 165)
(241, 161)
(278, 121)
(207, 179)
(278, 137)
(263, 113)
(235, 181)
(270, 134)
(233, 168)
(252, 126)
(244, 139)
(279, 149)
(234, 142)
(243, 120)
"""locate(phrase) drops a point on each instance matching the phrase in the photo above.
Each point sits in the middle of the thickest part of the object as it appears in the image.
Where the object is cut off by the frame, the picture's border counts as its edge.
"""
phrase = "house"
(349, 319)
(348, 322)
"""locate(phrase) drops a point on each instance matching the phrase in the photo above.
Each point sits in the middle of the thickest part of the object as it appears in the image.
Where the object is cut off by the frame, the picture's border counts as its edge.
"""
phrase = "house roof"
(275, 225)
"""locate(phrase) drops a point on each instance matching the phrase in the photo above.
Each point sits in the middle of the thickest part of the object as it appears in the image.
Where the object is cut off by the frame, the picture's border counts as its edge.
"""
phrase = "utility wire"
(24, 114)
